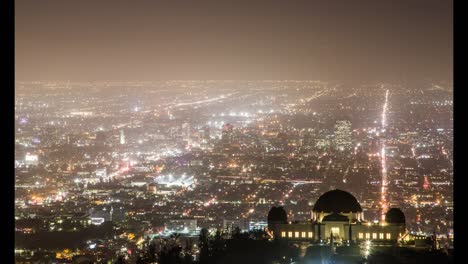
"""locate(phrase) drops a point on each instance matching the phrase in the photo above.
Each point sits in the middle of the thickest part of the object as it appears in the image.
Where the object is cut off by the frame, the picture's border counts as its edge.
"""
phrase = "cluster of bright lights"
(367, 248)
(210, 202)
(175, 180)
(266, 111)
(216, 124)
(31, 157)
(243, 114)
(172, 153)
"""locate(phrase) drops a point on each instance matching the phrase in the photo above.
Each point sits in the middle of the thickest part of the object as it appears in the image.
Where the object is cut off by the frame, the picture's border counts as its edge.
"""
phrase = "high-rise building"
(101, 138)
(122, 137)
(31, 159)
(231, 224)
(226, 135)
(101, 173)
(187, 134)
(206, 133)
(343, 134)
(180, 225)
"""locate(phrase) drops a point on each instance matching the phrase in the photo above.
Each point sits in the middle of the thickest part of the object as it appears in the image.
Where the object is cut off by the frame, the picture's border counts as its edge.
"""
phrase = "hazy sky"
(200, 39)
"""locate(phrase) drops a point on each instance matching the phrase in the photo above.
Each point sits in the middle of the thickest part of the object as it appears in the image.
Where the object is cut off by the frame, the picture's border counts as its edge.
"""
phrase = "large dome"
(337, 201)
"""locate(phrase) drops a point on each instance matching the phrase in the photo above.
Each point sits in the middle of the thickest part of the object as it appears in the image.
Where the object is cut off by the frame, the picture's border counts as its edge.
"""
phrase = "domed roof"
(395, 216)
(278, 215)
(337, 201)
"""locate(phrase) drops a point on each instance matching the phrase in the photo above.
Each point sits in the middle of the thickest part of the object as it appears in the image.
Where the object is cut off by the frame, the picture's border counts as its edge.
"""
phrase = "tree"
(151, 255)
(170, 255)
(236, 233)
(120, 260)
(204, 246)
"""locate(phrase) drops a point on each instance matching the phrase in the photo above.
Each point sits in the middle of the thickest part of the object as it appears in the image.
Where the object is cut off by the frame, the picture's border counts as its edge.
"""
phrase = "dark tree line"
(247, 247)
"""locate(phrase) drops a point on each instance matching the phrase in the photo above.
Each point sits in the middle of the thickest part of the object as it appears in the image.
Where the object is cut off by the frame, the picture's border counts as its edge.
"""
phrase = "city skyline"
(178, 157)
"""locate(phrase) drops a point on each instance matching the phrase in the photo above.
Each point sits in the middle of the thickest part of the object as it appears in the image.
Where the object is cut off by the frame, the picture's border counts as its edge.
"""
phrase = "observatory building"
(337, 216)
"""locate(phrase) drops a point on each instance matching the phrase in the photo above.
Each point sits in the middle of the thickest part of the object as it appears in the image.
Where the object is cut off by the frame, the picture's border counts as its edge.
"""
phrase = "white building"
(343, 134)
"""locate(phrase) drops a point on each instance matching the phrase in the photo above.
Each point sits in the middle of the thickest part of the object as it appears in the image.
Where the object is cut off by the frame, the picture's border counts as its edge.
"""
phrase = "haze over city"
(246, 40)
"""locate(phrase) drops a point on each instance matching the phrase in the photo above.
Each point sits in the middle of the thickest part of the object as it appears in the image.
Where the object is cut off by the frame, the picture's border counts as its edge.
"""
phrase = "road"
(383, 158)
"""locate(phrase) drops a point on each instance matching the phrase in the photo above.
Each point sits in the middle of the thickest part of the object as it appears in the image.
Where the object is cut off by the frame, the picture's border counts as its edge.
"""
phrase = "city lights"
(176, 163)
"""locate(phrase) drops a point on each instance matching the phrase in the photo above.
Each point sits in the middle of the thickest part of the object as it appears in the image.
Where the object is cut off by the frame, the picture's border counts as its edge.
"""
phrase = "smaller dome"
(335, 218)
(395, 216)
(277, 215)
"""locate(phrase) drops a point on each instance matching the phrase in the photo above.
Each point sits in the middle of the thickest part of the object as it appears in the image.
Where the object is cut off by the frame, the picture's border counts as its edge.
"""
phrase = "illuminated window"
(389, 236)
(361, 235)
(367, 235)
(374, 235)
(289, 234)
(310, 235)
(296, 234)
(283, 234)
(303, 234)
(381, 236)
(335, 230)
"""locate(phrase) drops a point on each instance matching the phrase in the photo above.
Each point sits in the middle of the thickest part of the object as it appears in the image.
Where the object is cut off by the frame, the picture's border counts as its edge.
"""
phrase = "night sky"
(152, 40)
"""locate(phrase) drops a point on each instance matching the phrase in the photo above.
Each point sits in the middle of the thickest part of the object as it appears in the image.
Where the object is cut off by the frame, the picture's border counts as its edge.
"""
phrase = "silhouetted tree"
(244, 248)
(151, 254)
(204, 246)
(236, 233)
(120, 260)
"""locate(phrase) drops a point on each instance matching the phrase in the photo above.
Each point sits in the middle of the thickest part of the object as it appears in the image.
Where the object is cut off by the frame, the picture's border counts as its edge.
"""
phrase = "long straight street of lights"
(206, 101)
(383, 158)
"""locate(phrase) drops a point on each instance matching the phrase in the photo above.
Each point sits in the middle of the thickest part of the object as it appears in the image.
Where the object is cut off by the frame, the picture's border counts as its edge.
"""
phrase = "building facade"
(337, 216)
(343, 134)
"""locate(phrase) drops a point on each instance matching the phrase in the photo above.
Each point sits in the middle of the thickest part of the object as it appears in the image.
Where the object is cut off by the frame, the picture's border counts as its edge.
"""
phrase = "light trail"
(384, 112)
(319, 94)
(206, 101)
(383, 158)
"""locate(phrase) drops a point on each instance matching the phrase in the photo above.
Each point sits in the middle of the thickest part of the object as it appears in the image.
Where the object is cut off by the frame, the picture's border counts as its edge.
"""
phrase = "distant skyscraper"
(226, 135)
(101, 173)
(122, 137)
(343, 134)
(206, 133)
(71, 138)
(31, 159)
(111, 212)
(186, 133)
(101, 138)
(230, 225)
